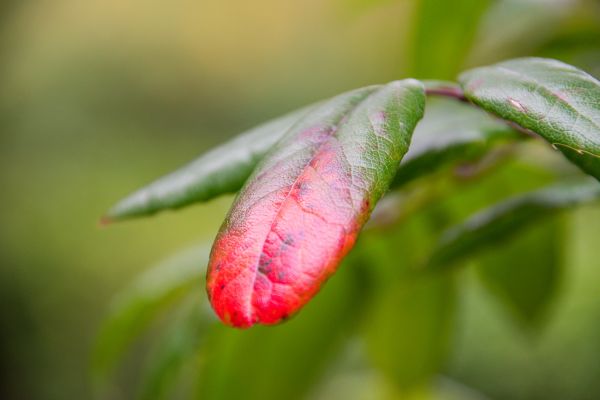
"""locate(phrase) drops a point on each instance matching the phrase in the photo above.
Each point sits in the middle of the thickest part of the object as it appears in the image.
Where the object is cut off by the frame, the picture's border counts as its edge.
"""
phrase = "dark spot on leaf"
(289, 239)
(264, 265)
(303, 187)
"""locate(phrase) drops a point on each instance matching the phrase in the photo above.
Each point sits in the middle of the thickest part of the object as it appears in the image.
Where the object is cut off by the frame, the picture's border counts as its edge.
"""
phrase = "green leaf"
(176, 349)
(555, 100)
(450, 132)
(305, 203)
(488, 227)
(219, 171)
(524, 273)
(538, 21)
(138, 305)
(409, 329)
(442, 36)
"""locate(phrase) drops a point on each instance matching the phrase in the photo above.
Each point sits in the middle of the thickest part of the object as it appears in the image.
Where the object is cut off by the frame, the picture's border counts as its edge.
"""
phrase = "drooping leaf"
(302, 208)
(135, 308)
(524, 273)
(495, 223)
(409, 329)
(219, 171)
(555, 100)
(450, 132)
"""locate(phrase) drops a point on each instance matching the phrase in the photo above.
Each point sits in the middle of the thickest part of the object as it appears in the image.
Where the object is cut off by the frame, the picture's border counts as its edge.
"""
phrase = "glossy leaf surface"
(219, 171)
(302, 208)
(555, 100)
(487, 227)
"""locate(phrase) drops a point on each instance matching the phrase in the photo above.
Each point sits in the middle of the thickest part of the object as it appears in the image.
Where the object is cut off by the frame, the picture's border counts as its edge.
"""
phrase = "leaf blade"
(524, 274)
(176, 348)
(450, 37)
(315, 189)
(555, 100)
(409, 330)
(498, 221)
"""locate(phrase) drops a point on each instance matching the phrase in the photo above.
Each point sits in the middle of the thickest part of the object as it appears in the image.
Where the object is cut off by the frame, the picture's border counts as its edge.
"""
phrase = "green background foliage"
(101, 96)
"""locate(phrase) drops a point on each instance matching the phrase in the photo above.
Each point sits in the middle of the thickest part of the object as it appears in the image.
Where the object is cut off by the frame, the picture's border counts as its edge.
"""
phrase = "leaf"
(302, 208)
(488, 227)
(555, 100)
(221, 170)
(176, 347)
(135, 308)
(442, 36)
(409, 329)
(450, 132)
(524, 273)
(538, 21)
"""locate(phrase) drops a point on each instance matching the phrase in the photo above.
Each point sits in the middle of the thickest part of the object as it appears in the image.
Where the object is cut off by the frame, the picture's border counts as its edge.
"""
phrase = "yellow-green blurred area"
(98, 98)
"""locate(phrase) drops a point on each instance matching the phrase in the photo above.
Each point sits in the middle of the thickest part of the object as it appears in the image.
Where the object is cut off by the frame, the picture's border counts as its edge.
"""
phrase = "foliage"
(317, 175)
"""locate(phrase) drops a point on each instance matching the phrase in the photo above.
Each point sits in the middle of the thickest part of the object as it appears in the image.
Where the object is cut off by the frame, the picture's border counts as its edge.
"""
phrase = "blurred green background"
(101, 97)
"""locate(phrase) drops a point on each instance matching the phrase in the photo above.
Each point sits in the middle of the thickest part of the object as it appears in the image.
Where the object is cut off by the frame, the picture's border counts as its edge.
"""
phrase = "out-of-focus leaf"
(307, 200)
(450, 132)
(408, 325)
(135, 308)
(493, 224)
(524, 273)
(284, 362)
(446, 388)
(176, 348)
(555, 100)
(221, 170)
(536, 20)
(442, 36)
(409, 329)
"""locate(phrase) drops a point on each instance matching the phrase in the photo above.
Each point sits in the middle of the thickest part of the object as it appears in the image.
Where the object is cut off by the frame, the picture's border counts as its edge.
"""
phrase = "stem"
(445, 89)
(454, 92)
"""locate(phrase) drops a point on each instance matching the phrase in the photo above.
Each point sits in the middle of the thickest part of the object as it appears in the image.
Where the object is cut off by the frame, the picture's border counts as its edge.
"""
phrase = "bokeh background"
(100, 97)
